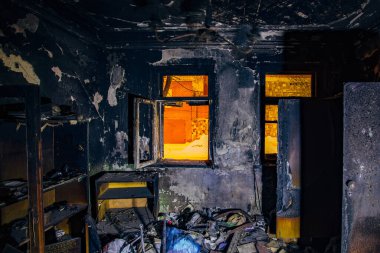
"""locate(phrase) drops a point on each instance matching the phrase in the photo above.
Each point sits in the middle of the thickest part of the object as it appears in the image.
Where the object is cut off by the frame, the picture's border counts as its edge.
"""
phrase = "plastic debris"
(180, 242)
(117, 246)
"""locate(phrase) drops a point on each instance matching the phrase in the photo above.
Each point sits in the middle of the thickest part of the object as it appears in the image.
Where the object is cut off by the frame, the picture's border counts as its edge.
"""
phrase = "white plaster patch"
(222, 150)
(116, 124)
(86, 81)
(170, 54)
(72, 98)
(49, 53)
(302, 15)
(15, 63)
(57, 72)
(121, 139)
(370, 133)
(96, 100)
(29, 23)
(144, 147)
(116, 80)
(266, 35)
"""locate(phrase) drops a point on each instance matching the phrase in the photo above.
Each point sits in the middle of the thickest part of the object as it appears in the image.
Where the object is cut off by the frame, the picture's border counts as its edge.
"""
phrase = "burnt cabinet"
(43, 171)
(124, 200)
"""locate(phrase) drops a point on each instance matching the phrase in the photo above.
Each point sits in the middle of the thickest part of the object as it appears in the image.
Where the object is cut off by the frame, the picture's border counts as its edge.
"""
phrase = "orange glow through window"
(186, 132)
(186, 126)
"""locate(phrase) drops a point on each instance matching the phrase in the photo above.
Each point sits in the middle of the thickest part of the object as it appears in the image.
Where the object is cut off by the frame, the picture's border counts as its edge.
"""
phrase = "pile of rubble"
(206, 231)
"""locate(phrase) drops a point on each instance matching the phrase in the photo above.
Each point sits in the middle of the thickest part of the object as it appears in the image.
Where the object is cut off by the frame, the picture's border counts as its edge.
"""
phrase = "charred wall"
(100, 78)
(38, 48)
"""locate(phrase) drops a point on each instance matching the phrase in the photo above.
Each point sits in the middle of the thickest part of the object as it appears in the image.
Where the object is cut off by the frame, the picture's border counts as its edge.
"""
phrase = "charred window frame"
(273, 100)
(208, 100)
(151, 118)
(194, 67)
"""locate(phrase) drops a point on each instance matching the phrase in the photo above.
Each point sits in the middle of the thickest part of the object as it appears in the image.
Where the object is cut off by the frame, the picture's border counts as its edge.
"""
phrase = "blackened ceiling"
(118, 14)
(102, 19)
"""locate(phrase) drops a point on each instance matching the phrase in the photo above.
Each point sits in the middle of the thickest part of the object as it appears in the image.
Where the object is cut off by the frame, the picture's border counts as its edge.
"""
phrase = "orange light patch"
(186, 132)
(288, 85)
(270, 138)
(185, 86)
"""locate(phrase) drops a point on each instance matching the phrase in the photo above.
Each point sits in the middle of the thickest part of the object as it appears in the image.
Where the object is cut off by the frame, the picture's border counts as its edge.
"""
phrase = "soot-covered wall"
(99, 81)
(33, 51)
(236, 133)
(334, 57)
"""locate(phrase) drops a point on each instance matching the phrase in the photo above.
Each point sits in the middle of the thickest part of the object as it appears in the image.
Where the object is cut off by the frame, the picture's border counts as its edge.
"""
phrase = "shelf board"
(8, 203)
(116, 177)
(126, 222)
(78, 178)
(126, 193)
(64, 214)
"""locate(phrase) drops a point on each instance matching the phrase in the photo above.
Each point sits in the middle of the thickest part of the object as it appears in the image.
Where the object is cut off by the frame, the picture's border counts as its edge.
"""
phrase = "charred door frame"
(278, 67)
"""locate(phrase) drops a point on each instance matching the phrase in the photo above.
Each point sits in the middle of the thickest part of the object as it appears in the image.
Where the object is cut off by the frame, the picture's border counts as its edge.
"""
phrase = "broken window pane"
(288, 85)
(186, 131)
(185, 86)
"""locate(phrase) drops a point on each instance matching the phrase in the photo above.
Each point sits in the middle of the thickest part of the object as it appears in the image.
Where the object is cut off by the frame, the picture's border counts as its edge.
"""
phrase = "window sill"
(183, 164)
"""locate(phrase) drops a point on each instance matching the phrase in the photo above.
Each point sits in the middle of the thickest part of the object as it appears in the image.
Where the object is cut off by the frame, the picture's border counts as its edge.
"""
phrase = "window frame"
(275, 100)
(136, 133)
(190, 67)
(202, 67)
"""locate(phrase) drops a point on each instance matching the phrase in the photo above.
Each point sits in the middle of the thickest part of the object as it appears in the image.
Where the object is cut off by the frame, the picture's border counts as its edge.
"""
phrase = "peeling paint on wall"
(29, 23)
(17, 64)
(121, 144)
(57, 72)
(96, 100)
(144, 148)
(49, 53)
(116, 80)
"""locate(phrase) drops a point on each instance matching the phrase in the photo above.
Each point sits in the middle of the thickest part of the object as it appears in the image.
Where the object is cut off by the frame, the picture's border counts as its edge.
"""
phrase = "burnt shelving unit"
(51, 159)
(131, 198)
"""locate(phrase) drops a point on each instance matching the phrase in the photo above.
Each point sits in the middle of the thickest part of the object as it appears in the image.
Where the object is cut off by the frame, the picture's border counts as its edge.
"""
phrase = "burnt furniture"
(47, 152)
(130, 198)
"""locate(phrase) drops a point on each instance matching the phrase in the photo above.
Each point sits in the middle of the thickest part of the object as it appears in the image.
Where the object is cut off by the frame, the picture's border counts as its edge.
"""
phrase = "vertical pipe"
(34, 166)
(289, 170)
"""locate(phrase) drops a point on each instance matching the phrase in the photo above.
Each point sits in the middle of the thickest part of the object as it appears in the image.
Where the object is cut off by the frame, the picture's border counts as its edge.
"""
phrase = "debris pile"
(205, 231)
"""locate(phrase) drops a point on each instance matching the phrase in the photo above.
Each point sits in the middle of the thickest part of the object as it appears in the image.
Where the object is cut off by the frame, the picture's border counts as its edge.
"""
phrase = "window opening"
(186, 118)
(279, 86)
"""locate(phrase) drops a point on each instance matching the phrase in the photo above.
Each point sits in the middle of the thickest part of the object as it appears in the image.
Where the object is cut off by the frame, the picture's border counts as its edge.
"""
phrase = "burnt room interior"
(213, 126)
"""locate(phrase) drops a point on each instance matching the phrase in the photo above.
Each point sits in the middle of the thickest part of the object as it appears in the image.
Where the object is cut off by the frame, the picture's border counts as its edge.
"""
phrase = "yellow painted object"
(20, 209)
(65, 226)
(288, 228)
(104, 205)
